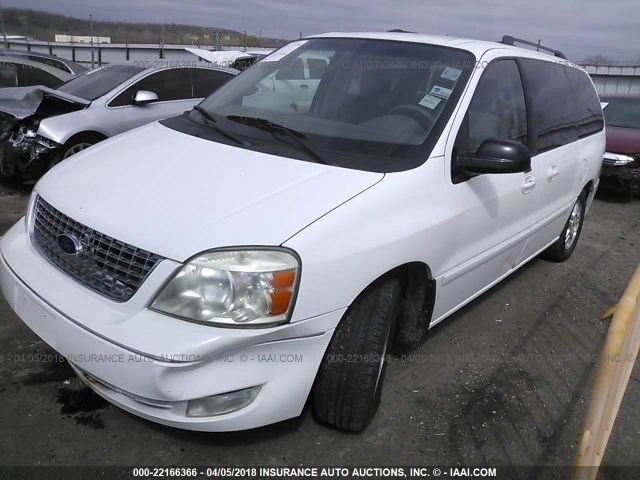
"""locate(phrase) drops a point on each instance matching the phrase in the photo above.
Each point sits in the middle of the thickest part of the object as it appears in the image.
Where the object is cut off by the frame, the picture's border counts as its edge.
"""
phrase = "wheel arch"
(86, 133)
(590, 191)
(417, 301)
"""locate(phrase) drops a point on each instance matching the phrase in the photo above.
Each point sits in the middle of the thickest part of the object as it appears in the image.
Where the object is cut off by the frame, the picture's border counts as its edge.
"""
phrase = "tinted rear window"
(96, 83)
(551, 102)
(588, 114)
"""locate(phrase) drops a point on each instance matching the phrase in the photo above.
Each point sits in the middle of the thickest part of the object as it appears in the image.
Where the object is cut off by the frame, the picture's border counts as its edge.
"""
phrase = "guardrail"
(612, 376)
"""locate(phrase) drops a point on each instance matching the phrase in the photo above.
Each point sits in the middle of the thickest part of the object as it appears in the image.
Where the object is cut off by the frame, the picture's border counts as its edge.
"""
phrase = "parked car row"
(40, 125)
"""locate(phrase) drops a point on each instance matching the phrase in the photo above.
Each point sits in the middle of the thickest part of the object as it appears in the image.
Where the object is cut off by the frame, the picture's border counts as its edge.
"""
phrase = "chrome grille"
(101, 263)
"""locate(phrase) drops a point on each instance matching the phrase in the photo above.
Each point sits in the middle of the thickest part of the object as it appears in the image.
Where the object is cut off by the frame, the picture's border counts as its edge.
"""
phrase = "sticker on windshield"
(286, 50)
(429, 101)
(451, 73)
(440, 92)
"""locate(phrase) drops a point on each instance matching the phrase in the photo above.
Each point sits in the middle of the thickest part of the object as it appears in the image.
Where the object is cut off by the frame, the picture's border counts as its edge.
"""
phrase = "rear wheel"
(349, 383)
(562, 249)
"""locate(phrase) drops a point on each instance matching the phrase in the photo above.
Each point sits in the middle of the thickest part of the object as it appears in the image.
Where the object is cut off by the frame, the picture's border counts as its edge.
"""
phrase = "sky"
(579, 28)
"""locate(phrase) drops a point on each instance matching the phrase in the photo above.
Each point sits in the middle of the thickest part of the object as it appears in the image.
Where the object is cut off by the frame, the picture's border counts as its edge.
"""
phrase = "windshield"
(368, 104)
(95, 83)
(622, 112)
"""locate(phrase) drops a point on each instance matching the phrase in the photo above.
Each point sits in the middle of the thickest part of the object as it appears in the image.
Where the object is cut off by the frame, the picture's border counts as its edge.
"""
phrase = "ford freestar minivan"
(213, 270)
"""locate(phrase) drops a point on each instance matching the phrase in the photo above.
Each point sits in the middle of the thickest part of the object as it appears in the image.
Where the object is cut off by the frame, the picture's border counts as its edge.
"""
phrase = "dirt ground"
(503, 382)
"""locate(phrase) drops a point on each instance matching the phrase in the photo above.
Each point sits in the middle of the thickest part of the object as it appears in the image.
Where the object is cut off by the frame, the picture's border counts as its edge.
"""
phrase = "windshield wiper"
(275, 128)
(210, 122)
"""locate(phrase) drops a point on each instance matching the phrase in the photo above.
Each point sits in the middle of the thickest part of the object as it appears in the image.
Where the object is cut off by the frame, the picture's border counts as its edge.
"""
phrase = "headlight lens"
(252, 288)
(617, 158)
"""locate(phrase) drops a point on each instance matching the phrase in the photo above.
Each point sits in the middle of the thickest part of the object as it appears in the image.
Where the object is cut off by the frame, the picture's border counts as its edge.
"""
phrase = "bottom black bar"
(330, 472)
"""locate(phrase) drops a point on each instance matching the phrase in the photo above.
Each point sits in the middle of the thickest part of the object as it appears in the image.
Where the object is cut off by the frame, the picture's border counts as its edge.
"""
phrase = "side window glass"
(29, 75)
(8, 75)
(208, 81)
(588, 113)
(171, 84)
(126, 97)
(497, 109)
(552, 103)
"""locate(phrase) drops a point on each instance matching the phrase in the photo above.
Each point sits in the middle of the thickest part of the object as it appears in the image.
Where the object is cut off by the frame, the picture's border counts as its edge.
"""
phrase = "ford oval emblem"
(69, 244)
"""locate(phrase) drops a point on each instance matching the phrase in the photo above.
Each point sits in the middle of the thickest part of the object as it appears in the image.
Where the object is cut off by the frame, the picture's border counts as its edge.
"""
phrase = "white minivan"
(214, 270)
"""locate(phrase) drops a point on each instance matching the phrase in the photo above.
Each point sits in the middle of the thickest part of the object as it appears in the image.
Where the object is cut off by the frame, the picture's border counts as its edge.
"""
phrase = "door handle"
(552, 172)
(304, 85)
(528, 183)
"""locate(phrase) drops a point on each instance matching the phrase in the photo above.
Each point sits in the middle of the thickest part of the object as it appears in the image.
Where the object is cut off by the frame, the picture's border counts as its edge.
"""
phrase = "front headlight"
(617, 158)
(233, 288)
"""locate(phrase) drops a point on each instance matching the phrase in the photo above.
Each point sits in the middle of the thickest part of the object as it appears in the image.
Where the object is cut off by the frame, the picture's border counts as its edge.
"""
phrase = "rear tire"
(562, 249)
(349, 383)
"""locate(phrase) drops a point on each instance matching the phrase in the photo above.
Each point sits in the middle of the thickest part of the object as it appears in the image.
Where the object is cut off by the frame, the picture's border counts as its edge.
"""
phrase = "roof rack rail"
(399, 30)
(509, 40)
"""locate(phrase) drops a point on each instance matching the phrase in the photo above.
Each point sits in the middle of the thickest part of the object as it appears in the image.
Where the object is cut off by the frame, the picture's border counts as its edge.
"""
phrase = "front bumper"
(624, 178)
(151, 365)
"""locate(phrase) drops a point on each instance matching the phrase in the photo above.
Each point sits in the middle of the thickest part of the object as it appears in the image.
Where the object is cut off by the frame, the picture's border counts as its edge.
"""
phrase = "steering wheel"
(420, 114)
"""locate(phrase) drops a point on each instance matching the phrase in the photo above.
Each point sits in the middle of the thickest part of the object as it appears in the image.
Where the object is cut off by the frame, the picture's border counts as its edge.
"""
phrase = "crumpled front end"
(22, 150)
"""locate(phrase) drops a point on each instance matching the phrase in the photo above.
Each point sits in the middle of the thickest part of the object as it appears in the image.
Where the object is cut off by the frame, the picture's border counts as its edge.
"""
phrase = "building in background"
(622, 79)
(81, 39)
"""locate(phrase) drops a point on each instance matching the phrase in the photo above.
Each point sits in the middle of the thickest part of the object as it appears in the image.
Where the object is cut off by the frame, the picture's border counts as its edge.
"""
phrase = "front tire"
(74, 145)
(349, 383)
(562, 249)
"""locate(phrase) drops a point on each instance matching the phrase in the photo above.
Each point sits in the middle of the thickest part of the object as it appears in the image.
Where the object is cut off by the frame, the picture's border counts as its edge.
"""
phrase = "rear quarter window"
(587, 110)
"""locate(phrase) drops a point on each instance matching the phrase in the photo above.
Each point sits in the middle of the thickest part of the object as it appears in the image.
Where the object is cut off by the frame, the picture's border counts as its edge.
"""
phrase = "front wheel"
(562, 249)
(349, 383)
(74, 145)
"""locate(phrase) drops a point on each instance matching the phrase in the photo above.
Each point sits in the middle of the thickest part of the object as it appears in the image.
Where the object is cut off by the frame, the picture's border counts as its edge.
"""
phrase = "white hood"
(177, 195)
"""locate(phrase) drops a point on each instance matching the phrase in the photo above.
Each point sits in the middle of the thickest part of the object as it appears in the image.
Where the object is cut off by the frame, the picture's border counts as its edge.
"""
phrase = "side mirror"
(496, 156)
(142, 97)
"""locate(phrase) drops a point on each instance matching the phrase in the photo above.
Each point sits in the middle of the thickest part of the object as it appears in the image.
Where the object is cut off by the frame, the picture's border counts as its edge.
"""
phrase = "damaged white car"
(40, 126)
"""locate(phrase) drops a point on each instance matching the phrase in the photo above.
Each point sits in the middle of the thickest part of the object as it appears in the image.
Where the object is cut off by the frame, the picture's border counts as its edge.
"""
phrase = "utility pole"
(245, 41)
(91, 33)
(4, 35)
(162, 44)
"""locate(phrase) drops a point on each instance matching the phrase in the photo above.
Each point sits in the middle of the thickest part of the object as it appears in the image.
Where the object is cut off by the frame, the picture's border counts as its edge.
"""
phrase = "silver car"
(41, 126)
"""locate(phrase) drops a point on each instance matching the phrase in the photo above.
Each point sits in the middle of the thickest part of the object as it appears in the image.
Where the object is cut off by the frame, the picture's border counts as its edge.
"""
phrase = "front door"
(492, 212)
